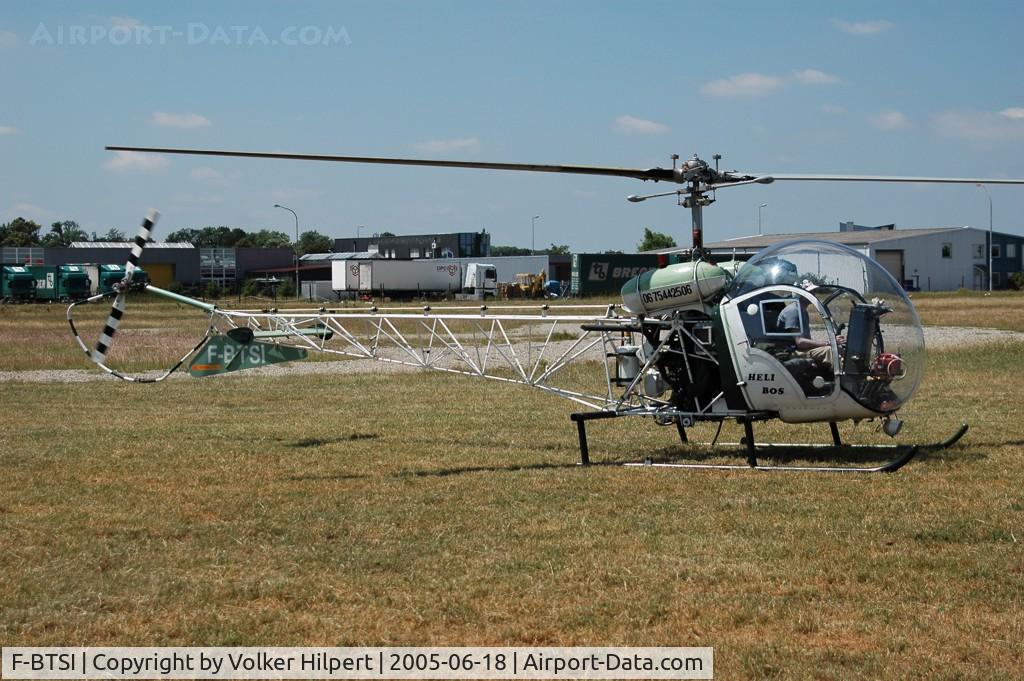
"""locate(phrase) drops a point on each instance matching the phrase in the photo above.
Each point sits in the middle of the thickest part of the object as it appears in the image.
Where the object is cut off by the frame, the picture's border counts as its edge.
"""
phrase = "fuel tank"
(684, 286)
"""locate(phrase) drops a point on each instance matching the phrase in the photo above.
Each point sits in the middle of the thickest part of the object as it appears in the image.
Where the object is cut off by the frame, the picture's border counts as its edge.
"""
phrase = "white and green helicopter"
(805, 331)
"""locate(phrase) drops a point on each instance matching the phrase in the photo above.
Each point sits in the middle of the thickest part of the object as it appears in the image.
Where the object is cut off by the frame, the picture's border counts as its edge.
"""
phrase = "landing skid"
(903, 453)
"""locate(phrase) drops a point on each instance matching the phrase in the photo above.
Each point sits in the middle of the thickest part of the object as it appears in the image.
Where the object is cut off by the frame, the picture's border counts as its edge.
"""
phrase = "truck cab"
(481, 280)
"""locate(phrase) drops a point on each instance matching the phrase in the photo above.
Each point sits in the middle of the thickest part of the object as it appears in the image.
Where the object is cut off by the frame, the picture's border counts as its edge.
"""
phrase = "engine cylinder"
(684, 286)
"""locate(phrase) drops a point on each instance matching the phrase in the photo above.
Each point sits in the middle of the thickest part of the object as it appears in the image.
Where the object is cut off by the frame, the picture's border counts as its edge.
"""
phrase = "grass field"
(421, 509)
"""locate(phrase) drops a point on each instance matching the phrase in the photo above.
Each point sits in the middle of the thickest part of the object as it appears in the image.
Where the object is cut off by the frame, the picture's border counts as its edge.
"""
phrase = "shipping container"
(600, 274)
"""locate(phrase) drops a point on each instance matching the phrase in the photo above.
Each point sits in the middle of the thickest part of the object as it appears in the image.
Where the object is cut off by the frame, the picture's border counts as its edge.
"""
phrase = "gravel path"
(935, 337)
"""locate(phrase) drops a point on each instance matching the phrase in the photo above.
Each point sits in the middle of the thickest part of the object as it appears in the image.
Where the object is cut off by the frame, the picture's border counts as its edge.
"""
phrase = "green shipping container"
(598, 274)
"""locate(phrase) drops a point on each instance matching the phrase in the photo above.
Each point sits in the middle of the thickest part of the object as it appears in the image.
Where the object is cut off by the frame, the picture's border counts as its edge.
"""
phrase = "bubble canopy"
(860, 302)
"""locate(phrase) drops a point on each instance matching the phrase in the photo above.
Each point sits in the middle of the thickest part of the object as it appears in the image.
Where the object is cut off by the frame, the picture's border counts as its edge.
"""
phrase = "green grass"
(428, 509)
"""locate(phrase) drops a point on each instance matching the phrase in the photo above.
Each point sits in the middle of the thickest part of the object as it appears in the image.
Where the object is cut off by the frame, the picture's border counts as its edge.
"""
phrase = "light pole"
(533, 232)
(990, 244)
(763, 205)
(277, 205)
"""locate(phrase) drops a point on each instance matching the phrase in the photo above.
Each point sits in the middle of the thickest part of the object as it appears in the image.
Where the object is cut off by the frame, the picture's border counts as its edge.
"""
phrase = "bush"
(213, 290)
(1017, 281)
(286, 289)
(251, 288)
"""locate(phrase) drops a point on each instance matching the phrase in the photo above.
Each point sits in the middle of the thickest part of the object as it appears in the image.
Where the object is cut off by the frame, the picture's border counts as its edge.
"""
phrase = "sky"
(906, 88)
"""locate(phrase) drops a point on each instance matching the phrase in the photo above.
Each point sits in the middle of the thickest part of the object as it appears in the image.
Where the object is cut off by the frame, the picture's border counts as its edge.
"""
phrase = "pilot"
(794, 319)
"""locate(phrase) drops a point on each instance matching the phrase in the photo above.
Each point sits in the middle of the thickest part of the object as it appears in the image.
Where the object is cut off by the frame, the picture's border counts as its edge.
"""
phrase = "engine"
(687, 291)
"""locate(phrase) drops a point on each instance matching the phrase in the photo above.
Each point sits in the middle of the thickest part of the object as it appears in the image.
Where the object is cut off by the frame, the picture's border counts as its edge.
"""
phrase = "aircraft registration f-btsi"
(804, 331)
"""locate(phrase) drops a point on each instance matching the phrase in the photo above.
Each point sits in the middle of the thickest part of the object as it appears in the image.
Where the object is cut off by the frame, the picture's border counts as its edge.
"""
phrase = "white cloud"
(833, 109)
(862, 27)
(981, 126)
(131, 160)
(9, 130)
(125, 22)
(743, 85)
(469, 145)
(759, 84)
(814, 77)
(179, 120)
(889, 120)
(29, 211)
(631, 125)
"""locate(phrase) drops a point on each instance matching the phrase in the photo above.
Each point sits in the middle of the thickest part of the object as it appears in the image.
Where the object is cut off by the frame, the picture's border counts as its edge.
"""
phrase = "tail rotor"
(99, 355)
(120, 293)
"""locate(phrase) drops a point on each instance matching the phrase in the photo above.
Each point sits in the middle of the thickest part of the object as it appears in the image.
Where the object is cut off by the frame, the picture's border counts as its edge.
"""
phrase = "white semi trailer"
(414, 277)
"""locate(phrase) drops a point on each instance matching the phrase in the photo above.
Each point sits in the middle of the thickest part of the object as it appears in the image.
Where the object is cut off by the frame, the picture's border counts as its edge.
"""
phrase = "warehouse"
(937, 259)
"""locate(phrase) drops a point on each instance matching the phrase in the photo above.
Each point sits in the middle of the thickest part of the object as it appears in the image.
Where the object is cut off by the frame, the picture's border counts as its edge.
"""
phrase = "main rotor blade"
(894, 178)
(656, 174)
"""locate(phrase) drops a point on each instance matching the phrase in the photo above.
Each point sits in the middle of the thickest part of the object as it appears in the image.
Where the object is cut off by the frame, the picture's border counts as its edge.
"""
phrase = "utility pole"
(296, 249)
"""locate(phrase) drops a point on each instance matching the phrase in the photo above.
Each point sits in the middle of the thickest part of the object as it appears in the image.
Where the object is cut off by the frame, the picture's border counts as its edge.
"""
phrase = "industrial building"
(936, 259)
(413, 246)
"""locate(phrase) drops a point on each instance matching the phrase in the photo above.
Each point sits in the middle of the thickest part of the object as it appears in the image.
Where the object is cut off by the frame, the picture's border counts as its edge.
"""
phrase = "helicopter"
(804, 331)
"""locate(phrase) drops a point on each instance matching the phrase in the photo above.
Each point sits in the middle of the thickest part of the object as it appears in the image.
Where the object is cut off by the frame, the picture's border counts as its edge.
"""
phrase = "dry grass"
(424, 509)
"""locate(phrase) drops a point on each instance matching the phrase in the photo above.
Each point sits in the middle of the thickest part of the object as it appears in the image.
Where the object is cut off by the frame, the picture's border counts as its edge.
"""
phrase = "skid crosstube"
(903, 453)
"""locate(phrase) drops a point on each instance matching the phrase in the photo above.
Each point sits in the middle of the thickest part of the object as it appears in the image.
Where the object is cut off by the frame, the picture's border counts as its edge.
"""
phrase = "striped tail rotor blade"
(117, 310)
(145, 232)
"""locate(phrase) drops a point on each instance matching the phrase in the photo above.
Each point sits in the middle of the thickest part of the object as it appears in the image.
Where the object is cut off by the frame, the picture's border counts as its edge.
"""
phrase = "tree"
(500, 251)
(314, 242)
(19, 232)
(268, 238)
(186, 235)
(286, 289)
(655, 240)
(556, 250)
(114, 234)
(63, 233)
(229, 237)
(386, 234)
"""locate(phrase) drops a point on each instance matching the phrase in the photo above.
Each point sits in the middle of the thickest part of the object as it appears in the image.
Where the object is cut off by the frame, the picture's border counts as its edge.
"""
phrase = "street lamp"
(533, 231)
(763, 205)
(990, 243)
(277, 205)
